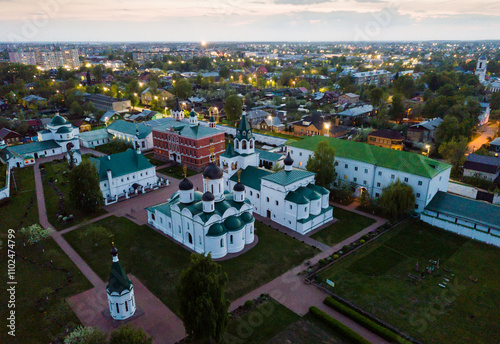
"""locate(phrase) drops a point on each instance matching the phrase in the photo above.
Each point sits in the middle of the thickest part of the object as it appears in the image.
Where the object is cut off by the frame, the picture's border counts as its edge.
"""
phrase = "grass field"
(3, 176)
(41, 316)
(157, 261)
(156, 162)
(176, 172)
(55, 171)
(260, 324)
(348, 224)
(114, 147)
(375, 279)
(21, 209)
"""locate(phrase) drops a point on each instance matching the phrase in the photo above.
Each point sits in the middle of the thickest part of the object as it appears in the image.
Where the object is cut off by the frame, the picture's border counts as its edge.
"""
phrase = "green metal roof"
(251, 176)
(244, 127)
(318, 189)
(130, 128)
(310, 217)
(229, 152)
(475, 211)
(247, 217)
(217, 229)
(268, 156)
(99, 134)
(63, 130)
(121, 163)
(58, 120)
(308, 193)
(296, 198)
(288, 177)
(185, 130)
(233, 223)
(412, 163)
(118, 280)
(30, 148)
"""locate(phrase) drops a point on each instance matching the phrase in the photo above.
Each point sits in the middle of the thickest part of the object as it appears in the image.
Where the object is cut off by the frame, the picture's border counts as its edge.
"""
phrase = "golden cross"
(239, 175)
(184, 169)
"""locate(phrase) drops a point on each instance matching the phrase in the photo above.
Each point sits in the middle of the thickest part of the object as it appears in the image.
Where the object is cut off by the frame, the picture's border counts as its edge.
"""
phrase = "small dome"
(233, 223)
(63, 130)
(288, 160)
(213, 172)
(208, 197)
(216, 229)
(193, 114)
(114, 251)
(247, 217)
(212, 118)
(58, 120)
(239, 187)
(186, 184)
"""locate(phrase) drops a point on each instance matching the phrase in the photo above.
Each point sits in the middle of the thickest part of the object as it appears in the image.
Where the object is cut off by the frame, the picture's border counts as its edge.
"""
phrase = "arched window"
(251, 143)
(243, 145)
(236, 144)
(231, 239)
(117, 308)
(221, 242)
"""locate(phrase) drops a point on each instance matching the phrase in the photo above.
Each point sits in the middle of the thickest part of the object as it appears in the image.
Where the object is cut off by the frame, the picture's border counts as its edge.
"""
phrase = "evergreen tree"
(85, 192)
(204, 306)
(323, 164)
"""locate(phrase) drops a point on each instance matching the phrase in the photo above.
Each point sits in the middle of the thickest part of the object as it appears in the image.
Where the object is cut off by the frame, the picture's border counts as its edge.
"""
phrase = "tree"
(85, 192)
(35, 233)
(183, 88)
(86, 335)
(323, 164)
(454, 151)
(376, 95)
(202, 296)
(495, 101)
(397, 199)
(128, 335)
(397, 109)
(76, 108)
(233, 107)
(224, 72)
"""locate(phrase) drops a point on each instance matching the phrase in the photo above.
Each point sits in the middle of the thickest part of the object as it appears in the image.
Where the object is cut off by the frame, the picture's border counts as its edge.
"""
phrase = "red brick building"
(187, 143)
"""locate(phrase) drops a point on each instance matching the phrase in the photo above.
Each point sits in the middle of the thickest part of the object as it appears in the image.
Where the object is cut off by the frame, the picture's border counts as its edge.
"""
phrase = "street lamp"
(270, 118)
(327, 127)
(428, 147)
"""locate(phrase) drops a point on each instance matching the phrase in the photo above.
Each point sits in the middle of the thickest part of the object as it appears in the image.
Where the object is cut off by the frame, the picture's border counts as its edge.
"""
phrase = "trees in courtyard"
(85, 192)
(203, 302)
(123, 335)
(397, 199)
(233, 107)
(323, 164)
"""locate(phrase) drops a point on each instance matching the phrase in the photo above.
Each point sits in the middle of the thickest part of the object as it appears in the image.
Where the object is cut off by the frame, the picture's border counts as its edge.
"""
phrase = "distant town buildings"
(47, 59)
(375, 77)
(107, 103)
(386, 138)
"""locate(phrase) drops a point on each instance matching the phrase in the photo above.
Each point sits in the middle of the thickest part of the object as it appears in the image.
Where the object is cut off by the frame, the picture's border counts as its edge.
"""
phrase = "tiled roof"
(475, 211)
(120, 164)
(384, 157)
(251, 176)
(288, 177)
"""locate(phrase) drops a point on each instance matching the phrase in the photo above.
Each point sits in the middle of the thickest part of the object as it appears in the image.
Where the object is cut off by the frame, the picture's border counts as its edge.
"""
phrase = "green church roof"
(412, 163)
(296, 198)
(247, 217)
(120, 164)
(288, 177)
(233, 223)
(251, 176)
(217, 229)
(229, 152)
(118, 280)
(58, 120)
(63, 130)
(244, 130)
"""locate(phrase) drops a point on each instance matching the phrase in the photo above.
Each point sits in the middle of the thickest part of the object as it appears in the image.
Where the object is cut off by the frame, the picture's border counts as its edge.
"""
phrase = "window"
(291, 207)
(346, 166)
(366, 171)
(355, 168)
(379, 173)
(336, 163)
(277, 203)
(416, 206)
(267, 198)
(355, 179)
(179, 228)
(406, 180)
(300, 154)
(378, 185)
(258, 196)
(251, 193)
(306, 209)
(231, 239)
(377, 194)
(105, 185)
(365, 182)
(126, 306)
(221, 242)
(393, 176)
(199, 239)
(117, 308)
(418, 195)
(419, 182)
(153, 217)
(300, 163)
(122, 179)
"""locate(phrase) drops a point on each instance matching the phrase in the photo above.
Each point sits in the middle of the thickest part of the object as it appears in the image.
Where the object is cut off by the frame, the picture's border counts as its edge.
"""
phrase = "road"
(487, 130)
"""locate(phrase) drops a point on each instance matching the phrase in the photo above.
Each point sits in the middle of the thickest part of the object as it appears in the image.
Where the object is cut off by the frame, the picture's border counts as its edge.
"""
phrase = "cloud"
(300, 2)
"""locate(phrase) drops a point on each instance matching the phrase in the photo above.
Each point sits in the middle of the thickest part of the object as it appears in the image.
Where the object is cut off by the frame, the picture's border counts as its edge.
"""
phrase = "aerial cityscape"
(228, 172)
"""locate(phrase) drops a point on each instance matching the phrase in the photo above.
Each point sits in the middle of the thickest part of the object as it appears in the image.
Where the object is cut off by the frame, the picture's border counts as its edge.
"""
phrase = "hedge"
(338, 326)
(382, 331)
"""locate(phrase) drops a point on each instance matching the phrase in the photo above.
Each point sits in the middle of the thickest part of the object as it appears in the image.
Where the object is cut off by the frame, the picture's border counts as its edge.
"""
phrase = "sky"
(248, 20)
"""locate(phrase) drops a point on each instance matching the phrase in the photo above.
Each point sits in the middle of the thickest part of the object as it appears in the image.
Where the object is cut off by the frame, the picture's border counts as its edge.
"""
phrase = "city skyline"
(236, 20)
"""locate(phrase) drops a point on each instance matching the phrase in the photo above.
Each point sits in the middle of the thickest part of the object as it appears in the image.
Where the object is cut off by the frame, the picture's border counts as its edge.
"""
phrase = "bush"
(335, 256)
(248, 304)
(321, 262)
(337, 326)
(382, 331)
(362, 241)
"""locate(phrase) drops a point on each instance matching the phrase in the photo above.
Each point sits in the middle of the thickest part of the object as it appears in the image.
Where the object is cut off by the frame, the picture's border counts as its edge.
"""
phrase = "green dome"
(233, 223)
(193, 114)
(58, 120)
(247, 217)
(314, 196)
(212, 118)
(217, 229)
(63, 130)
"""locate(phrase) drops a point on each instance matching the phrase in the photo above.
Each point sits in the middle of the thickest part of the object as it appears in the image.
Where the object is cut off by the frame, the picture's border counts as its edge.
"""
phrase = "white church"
(214, 221)
(288, 197)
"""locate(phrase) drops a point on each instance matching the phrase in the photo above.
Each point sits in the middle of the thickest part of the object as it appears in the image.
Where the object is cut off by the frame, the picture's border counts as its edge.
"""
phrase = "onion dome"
(185, 185)
(208, 197)
(233, 223)
(288, 160)
(58, 120)
(114, 251)
(213, 172)
(216, 229)
(63, 130)
(247, 217)
(239, 187)
(193, 114)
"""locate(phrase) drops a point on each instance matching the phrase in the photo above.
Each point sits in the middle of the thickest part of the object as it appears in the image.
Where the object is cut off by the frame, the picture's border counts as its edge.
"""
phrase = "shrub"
(335, 256)
(362, 241)
(382, 331)
(321, 262)
(337, 326)
(248, 304)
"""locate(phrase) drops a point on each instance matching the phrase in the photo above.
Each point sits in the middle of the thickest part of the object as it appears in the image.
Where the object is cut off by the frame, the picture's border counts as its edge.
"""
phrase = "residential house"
(355, 114)
(34, 100)
(273, 123)
(375, 77)
(255, 117)
(107, 103)
(424, 131)
(386, 138)
(82, 125)
(482, 166)
(10, 136)
(495, 145)
(109, 117)
(310, 125)
(350, 98)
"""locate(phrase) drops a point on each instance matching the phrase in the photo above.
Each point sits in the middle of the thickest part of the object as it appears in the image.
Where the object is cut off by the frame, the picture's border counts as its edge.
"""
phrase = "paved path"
(486, 130)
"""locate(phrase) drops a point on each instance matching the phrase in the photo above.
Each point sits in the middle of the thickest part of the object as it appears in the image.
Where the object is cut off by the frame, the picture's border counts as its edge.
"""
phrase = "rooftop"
(384, 157)
(120, 164)
(288, 177)
(251, 176)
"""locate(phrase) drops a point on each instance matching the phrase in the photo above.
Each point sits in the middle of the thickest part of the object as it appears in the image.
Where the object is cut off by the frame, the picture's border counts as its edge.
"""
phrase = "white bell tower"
(481, 68)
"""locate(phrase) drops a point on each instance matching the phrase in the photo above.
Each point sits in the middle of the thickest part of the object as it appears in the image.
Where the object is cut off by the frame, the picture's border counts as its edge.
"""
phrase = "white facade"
(118, 186)
(120, 291)
(374, 179)
(482, 64)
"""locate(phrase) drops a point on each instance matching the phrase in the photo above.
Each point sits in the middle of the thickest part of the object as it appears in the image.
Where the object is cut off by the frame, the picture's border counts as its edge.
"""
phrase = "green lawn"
(348, 224)
(260, 324)
(3, 176)
(156, 162)
(41, 316)
(375, 279)
(21, 209)
(55, 174)
(176, 172)
(114, 147)
(157, 261)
